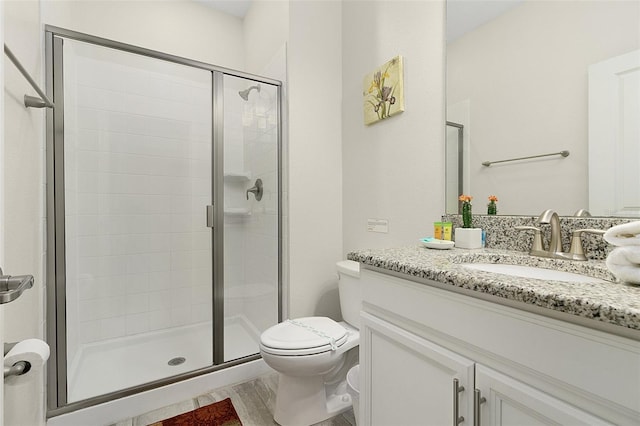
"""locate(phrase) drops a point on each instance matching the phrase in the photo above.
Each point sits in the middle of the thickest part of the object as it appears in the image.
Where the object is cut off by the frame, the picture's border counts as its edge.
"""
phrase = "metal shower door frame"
(57, 398)
(460, 147)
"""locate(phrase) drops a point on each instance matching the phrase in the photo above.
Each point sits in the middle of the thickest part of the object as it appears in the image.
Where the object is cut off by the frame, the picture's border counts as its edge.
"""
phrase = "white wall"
(393, 169)
(23, 168)
(524, 75)
(266, 30)
(315, 155)
(183, 28)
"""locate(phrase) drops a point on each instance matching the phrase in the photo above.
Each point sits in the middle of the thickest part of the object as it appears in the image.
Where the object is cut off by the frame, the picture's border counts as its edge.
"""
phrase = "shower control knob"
(256, 190)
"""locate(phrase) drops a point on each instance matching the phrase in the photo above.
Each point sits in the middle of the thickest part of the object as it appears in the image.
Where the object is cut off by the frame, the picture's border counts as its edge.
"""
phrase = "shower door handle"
(256, 190)
(210, 216)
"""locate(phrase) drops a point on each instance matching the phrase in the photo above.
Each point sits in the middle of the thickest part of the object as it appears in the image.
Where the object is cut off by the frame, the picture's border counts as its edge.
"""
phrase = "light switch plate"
(378, 225)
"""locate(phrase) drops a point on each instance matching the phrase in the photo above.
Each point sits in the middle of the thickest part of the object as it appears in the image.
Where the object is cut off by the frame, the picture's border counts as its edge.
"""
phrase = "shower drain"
(176, 361)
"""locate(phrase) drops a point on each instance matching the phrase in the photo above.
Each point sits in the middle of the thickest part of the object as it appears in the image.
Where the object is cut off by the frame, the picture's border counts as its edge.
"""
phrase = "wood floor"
(253, 401)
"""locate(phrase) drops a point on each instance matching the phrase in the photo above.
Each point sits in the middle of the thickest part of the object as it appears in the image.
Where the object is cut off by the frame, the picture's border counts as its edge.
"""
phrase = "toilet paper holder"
(17, 369)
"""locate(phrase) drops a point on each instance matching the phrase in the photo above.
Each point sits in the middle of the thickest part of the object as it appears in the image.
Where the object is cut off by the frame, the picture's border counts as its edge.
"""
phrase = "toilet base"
(303, 401)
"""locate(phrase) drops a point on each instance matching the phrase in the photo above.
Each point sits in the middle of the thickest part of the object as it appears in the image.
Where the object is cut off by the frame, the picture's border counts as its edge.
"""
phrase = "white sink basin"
(532, 272)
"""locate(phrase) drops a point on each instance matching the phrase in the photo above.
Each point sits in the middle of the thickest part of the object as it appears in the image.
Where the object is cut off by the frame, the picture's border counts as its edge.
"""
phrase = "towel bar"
(29, 101)
(563, 153)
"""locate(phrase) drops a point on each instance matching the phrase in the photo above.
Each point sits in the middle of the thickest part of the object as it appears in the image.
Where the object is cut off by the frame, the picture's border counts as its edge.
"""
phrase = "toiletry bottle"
(437, 230)
(447, 226)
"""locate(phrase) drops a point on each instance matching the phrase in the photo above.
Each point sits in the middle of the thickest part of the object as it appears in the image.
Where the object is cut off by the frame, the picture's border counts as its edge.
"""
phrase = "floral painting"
(383, 91)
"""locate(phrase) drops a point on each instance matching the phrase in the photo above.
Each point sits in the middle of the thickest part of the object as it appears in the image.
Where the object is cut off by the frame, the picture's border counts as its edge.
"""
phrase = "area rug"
(219, 413)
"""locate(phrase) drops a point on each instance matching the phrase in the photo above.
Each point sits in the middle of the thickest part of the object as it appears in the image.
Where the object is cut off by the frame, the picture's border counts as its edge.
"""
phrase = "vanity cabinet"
(411, 381)
(417, 339)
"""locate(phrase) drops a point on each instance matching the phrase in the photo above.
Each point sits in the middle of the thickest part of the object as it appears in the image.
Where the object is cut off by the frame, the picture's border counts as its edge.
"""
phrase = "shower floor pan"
(104, 367)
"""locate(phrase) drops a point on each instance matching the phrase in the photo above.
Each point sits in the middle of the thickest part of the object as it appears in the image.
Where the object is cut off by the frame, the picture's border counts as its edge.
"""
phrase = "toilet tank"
(350, 291)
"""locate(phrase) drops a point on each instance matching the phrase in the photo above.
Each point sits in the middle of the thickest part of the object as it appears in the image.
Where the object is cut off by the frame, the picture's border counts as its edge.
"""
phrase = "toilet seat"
(303, 336)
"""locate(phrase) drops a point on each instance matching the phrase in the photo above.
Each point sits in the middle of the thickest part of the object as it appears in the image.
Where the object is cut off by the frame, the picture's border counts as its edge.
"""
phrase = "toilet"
(312, 356)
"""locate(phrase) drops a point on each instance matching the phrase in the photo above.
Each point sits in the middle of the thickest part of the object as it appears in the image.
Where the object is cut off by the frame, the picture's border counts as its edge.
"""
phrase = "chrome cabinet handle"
(478, 400)
(256, 190)
(457, 418)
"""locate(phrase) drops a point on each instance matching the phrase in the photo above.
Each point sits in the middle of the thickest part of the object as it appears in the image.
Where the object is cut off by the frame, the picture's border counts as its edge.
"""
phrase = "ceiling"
(237, 8)
(462, 15)
(466, 15)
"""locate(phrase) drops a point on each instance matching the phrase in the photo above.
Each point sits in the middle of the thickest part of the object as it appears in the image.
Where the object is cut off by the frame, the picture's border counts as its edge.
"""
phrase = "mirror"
(518, 85)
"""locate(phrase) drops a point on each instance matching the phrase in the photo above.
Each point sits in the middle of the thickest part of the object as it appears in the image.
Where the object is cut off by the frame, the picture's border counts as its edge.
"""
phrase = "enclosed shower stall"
(164, 217)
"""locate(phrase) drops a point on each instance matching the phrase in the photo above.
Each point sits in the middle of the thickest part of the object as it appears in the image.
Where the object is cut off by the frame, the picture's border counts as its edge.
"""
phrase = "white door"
(510, 402)
(614, 136)
(407, 380)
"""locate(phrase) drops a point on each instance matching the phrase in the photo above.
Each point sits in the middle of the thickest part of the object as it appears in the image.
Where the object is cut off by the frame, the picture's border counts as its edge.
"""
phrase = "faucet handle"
(537, 237)
(576, 251)
(582, 213)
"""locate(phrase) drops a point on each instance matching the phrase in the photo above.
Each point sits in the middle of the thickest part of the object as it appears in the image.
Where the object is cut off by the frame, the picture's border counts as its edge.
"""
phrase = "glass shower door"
(138, 252)
(251, 213)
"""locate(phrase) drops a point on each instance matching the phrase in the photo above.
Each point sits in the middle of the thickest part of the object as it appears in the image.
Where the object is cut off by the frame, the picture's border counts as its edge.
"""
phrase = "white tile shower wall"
(261, 157)
(251, 257)
(138, 178)
(234, 197)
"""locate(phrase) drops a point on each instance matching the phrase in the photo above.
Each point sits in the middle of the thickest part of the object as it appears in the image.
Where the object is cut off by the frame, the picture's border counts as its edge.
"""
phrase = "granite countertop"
(608, 302)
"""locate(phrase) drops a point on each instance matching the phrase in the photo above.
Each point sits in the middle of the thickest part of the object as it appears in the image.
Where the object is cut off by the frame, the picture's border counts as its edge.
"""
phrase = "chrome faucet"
(550, 217)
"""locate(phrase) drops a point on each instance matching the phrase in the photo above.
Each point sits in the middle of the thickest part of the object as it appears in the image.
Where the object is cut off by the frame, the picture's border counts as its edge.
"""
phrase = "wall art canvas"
(383, 91)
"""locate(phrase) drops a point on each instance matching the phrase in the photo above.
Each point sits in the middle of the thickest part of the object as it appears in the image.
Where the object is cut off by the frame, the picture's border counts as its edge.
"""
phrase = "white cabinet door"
(510, 402)
(407, 380)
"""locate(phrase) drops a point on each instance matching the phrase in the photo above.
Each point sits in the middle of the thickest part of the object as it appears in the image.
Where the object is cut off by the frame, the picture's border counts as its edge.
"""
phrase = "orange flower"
(493, 198)
(465, 198)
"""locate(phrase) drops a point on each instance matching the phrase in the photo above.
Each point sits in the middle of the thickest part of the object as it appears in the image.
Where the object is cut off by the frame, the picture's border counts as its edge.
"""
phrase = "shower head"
(244, 94)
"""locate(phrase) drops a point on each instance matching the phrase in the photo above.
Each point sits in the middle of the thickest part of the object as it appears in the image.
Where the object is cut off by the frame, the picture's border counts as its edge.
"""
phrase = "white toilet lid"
(317, 333)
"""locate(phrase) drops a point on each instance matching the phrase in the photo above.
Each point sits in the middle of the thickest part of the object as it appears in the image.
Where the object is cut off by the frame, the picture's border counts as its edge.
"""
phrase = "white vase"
(468, 238)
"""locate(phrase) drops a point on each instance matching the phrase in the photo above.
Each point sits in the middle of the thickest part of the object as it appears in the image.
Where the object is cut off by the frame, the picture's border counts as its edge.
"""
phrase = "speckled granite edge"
(610, 302)
(502, 235)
